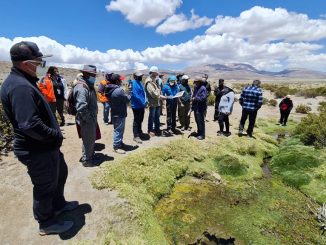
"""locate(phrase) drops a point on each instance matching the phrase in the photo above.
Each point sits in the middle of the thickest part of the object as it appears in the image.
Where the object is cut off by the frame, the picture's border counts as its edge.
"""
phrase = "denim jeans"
(106, 112)
(118, 131)
(154, 118)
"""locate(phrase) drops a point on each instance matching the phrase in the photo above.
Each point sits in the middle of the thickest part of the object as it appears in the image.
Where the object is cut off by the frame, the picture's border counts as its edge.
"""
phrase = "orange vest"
(100, 94)
(46, 87)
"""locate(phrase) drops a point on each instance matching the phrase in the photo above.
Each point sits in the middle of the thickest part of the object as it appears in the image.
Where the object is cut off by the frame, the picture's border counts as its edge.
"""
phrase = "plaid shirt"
(251, 98)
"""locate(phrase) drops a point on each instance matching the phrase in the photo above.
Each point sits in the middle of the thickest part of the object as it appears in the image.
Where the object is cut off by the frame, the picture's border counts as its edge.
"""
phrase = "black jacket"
(35, 127)
(118, 100)
(286, 105)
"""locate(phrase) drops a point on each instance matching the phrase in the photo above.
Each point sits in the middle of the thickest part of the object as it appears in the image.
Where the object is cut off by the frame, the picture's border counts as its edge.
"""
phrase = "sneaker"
(169, 131)
(138, 140)
(152, 134)
(68, 207)
(227, 134)
(283, 124)
(56, 228)
(106, 123)
(200, 137)
(240, 132)
(158, 133)
(219, 133)
(119, 151)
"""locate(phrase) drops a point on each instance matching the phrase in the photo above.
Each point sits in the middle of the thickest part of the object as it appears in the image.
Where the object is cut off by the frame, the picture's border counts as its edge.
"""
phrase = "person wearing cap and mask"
(37, 137)
(184, 104)
(103, 99)
(86, 113)
(251, 100)
(118, 101)
(138, 104)
(199, 106)
(171, 88)
(45, 85)
(153, 94)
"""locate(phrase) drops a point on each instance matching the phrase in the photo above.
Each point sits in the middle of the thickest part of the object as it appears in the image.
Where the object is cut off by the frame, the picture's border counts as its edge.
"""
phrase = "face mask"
(40, 71)
(91, 80)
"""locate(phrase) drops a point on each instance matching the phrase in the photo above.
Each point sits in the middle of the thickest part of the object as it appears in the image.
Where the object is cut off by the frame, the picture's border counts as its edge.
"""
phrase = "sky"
(116, 35)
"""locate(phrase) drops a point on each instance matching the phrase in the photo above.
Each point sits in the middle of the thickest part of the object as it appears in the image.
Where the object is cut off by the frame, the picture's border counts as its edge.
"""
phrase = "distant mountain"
(241, 71)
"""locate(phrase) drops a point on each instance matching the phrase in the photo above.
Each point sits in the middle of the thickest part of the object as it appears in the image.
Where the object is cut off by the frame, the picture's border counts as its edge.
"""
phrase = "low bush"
(304, 109)
(312, 129)
(272, 102)
(6, 132)
(211, 100)
(281, 92)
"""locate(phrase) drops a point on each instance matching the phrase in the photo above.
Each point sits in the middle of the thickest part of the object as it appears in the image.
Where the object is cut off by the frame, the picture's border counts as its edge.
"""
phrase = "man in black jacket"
(37, 137)
(285, 106)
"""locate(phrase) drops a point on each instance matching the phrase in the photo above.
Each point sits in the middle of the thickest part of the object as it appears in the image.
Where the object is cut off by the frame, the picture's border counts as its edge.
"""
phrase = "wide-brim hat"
(89, 69)
(138, 74)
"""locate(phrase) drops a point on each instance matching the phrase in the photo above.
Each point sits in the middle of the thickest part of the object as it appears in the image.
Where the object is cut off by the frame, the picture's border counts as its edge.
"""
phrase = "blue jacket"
(251, 98)
(199, 102)
(169, 90)
(138, 95)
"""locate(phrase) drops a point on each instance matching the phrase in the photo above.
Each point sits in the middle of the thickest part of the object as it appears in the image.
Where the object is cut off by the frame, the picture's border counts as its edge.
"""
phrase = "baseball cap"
(153, 69)
(26, 50)
(185, 77)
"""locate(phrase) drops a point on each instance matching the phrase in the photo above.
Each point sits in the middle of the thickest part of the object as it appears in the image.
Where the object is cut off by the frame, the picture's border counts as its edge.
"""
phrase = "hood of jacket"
(110, 88)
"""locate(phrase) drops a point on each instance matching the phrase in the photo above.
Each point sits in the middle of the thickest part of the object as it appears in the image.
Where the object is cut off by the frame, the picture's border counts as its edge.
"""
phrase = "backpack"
(71, 105)
(284, 107)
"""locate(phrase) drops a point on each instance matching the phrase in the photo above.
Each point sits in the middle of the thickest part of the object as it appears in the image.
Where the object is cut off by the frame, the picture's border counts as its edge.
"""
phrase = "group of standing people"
(31, 108)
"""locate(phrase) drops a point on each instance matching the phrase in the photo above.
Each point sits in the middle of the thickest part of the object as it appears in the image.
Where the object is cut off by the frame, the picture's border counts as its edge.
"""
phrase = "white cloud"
(276, 50)
(146, 12)
(179, 22)
(261, 25)
(140, 66)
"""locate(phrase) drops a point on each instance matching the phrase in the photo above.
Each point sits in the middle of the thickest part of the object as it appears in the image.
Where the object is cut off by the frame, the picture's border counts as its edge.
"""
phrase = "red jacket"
(46, 87)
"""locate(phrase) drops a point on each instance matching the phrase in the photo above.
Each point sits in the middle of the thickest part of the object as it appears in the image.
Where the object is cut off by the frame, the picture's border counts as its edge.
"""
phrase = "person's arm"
(152, 91)
(81, 95)
(260, 99)
(241, 98)
(290, 105)
(27, 114)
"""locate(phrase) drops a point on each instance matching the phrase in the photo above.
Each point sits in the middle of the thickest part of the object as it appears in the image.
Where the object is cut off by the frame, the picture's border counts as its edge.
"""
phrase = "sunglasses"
(40, 63)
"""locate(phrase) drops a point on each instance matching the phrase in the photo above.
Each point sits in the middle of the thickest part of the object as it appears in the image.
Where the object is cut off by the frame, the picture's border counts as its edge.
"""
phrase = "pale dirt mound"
(96, 211)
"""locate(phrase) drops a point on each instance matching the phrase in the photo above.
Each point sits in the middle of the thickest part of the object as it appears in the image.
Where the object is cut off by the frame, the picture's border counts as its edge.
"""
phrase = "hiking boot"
(119, 151)
(68, 207)
(227, 134)
(56, 228)
(138, 140)
(169, 131)
(89, 164)
(219, 133)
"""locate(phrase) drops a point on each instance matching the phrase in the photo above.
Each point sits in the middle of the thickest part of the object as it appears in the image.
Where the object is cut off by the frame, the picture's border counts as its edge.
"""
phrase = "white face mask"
(40, 71)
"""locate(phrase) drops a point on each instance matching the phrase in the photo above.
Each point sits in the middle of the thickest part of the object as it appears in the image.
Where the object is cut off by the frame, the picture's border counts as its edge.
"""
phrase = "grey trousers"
(88, 135)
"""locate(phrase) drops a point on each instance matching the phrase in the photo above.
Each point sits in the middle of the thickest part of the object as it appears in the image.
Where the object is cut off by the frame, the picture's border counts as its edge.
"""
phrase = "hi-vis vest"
(46, 87)
(100, 93)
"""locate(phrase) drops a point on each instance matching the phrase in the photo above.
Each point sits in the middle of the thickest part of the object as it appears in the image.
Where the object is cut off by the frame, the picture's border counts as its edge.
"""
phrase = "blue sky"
(90, 26)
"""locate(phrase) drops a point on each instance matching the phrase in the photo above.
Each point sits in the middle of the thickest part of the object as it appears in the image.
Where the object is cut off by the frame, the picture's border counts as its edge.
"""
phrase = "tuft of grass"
(302, 167)
(230, 165)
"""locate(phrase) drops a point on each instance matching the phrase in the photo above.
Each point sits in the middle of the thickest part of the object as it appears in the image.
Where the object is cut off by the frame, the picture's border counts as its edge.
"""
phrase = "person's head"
(89, 74)
(153, 72)
(53, 71)
(172, 80)
(221, 83)
(161, 76)
(184, 79)
(138, 76)
(179, 76)
(256, 83)
(116, 79)
(198, 81)
(27, 57)
(108, 76)
(205, 77)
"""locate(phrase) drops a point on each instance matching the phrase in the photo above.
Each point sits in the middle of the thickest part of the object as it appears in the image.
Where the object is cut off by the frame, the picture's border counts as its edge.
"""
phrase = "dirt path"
(17, 225)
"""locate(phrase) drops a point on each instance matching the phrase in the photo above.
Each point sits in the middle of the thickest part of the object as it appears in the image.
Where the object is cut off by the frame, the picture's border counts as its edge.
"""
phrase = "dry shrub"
(304, 109)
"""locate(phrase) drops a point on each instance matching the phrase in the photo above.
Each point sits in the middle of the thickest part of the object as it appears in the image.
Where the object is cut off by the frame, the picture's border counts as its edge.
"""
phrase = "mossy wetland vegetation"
(224, 190)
